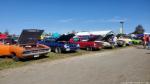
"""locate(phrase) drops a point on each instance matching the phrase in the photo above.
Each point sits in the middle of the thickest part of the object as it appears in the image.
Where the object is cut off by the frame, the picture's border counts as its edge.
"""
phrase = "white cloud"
(65, 20)
(111, 20)
(116, 20)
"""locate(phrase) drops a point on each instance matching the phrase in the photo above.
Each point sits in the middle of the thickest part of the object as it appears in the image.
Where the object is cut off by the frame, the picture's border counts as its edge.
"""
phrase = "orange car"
(26, 46)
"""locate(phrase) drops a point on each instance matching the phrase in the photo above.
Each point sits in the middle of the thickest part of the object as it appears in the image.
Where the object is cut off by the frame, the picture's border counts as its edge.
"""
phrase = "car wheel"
(50, 50)
(112, 46)
(124, 45)
(58, 50)
(88, 48)
(14, 57)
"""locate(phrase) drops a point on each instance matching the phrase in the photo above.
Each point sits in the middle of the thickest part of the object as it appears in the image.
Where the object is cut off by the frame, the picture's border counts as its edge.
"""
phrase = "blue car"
(61, 44)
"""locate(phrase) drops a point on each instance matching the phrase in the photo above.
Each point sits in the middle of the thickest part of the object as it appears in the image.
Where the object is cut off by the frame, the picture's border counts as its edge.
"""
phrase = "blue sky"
(67, 15)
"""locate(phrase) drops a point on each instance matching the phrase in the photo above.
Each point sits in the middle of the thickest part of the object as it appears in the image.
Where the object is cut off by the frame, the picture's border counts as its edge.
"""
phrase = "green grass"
(6, 63)
(9, 63)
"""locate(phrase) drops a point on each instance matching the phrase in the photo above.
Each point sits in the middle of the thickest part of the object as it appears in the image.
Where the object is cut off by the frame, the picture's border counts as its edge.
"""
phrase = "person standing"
(148, 42)
(115, 40)
(145, 40)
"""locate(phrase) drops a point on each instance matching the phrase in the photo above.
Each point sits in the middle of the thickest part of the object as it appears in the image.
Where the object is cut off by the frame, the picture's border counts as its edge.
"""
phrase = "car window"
(84, 38)
(76, 39)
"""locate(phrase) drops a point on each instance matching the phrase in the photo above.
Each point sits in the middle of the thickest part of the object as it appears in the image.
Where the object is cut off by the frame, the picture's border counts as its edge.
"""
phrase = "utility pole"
(121, 30)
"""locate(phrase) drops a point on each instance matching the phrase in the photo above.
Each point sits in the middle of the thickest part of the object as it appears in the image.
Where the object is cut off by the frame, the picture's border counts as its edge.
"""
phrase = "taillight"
(95, 44)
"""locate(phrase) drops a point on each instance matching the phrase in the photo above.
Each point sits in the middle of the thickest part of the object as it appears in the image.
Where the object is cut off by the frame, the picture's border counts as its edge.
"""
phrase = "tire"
(50, 50)
(89, 49)
(113, 46)
(58, 50)
(15, 58)
(124, 45)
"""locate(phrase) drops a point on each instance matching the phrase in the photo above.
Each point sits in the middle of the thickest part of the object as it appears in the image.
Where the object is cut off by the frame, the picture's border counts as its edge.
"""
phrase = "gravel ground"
(121, 66)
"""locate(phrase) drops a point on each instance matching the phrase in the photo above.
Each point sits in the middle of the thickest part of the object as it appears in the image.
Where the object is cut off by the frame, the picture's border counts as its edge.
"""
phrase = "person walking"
(145, 40)
(148, 42)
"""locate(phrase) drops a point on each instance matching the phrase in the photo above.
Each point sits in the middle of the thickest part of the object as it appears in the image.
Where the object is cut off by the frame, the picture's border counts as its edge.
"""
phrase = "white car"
(107, 44)
(126, 40)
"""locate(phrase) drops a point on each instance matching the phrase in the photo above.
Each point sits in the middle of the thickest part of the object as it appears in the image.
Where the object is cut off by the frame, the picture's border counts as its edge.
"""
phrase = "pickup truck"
(87, 42)
(26, 46)
(61, 44)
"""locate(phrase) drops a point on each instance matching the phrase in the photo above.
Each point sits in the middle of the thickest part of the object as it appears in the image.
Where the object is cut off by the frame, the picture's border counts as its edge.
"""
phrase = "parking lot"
(120, 66)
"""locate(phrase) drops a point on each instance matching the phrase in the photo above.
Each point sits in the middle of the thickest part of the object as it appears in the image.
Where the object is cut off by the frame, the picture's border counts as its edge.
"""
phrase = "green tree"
(139, 30)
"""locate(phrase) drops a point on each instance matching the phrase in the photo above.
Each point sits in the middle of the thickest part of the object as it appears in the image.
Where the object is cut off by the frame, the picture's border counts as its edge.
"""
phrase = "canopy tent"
(83, 33)
(56, 35)
(147, 33)
(102, 33)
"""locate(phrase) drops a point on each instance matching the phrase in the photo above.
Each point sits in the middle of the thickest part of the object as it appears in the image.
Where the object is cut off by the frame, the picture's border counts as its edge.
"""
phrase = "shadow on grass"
(32, 59)
(23, 60)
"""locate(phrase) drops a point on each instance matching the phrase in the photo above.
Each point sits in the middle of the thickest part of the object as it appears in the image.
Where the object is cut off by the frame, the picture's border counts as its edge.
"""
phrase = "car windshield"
(84, 38)
(50, 39)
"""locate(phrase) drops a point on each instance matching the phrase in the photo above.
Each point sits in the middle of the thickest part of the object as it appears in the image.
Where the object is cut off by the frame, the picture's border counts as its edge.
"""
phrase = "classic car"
(87, 42)
(121, 43)
(60, 44)
(136, 40)
(108, 41)
(26, 47)
(127, 41)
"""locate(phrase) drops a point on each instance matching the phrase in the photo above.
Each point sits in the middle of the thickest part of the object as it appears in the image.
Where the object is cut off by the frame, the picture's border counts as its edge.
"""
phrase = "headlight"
(66, 46)
(78, 45)
(26, 52)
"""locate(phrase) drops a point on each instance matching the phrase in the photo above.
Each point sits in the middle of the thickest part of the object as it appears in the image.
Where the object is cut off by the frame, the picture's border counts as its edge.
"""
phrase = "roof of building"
(102, 33)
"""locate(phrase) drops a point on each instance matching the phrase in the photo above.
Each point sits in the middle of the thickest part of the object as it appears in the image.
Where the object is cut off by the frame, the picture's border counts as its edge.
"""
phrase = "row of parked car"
(29, 45)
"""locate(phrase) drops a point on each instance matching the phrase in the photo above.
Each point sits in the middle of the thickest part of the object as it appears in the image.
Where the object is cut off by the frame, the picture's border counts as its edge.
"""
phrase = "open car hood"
(30, 36)
(65, 37)
(96, 38)
(106, 38)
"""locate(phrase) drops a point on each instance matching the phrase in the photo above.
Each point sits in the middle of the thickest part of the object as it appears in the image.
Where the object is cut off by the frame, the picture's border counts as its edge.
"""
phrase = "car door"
(4, 50)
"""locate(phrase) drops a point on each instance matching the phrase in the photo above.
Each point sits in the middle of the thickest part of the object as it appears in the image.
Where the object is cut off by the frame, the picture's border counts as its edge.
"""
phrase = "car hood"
(65, 37)
(126, 40)
(30, 36)
(106, 44)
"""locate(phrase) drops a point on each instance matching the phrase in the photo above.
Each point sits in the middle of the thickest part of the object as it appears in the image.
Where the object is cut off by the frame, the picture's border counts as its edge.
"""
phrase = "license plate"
(36, 55)
(68, 49)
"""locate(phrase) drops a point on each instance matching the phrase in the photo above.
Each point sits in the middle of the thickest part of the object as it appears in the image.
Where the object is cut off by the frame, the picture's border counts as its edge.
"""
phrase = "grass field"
(10, 63)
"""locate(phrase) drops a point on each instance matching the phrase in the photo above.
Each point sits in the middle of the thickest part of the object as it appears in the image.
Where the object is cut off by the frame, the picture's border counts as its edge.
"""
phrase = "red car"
(88, 43)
